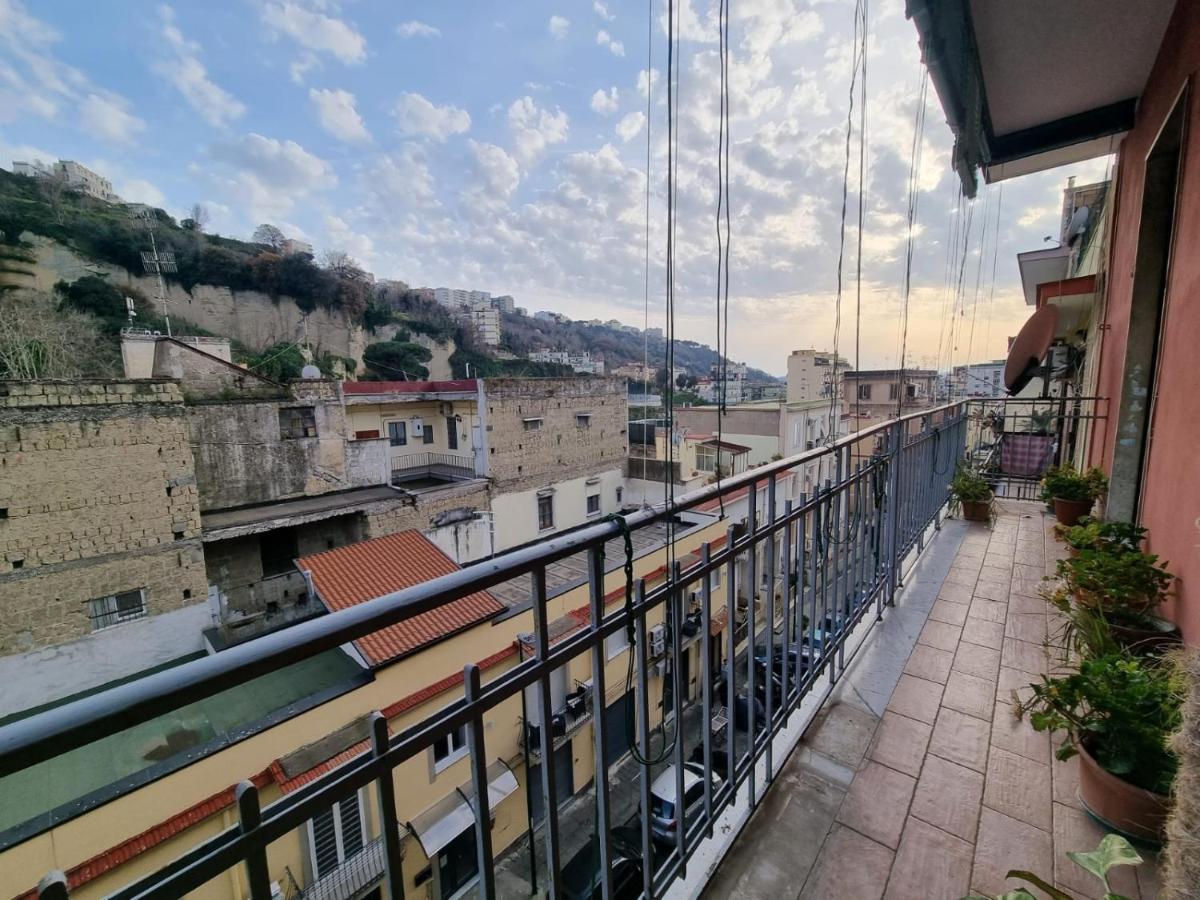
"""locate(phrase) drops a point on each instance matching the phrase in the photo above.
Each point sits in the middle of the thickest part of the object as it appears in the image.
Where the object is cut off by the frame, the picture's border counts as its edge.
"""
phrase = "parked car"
(741, 709)
(664, 803)
(797, 660)
(581, 874)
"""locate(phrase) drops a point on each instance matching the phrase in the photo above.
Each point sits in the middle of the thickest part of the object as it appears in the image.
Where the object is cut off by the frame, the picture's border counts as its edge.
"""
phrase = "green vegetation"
(396, 361)
(1112, 537)
(969, 485)
(1127, 586)
(1113, 850)
(1067, 483)
(40, 338)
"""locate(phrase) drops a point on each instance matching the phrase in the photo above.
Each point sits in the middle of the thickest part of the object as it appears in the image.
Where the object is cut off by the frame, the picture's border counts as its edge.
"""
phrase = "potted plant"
(1113, 850)
(1072, 492)
(1111, 537)
(1117, 713)
(1124, 586)
(973, 494)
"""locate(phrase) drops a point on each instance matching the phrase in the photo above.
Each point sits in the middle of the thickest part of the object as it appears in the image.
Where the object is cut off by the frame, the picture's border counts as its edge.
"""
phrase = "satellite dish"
(310, 371)
(1029, 348)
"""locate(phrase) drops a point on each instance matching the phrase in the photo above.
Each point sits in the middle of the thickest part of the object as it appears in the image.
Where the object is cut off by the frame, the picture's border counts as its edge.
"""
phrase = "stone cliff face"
(247, 316)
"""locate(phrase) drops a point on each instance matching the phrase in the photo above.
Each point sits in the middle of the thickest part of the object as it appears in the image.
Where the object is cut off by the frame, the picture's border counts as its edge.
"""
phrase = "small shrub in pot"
(1073, 492)
(973, 493)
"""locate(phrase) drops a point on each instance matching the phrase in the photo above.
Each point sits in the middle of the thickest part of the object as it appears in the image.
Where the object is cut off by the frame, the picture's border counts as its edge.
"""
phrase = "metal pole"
(386, 795)
(479, 781)
(250, 818)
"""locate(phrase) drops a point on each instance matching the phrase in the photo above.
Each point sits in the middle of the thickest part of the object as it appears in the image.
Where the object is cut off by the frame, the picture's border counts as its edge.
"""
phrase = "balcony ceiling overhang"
(1041, 266)
(1027, 85)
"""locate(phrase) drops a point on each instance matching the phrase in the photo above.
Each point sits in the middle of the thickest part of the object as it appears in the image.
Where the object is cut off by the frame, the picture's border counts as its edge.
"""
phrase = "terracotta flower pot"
(1123, 807)
(1155, 636)
(1069, 512)
(976, 510)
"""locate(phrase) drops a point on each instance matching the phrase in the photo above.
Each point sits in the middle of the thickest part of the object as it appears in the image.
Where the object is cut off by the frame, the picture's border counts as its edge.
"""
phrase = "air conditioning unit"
(658, 640)
(417, 427)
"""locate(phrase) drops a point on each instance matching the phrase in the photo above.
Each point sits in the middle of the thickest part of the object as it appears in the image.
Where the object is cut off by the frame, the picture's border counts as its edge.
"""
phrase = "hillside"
(523, 334)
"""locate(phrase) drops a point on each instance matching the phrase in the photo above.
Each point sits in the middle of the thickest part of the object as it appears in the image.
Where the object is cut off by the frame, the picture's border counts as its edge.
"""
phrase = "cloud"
(630, 125)
(337, 114)
(138, 190)
(107, 116)
(605, 104)
(533, 129)
(184, 70)
(602, 11)
(316, 31)
(604, 39)
(646, 80)
(558, 27)
(343, 237)
(403, 179)
(416, 115)
(497, 172)
(267, 176)
(417, 29)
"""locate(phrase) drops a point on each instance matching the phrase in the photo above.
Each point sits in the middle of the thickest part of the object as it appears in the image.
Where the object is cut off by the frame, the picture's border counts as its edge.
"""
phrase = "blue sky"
(502, 146)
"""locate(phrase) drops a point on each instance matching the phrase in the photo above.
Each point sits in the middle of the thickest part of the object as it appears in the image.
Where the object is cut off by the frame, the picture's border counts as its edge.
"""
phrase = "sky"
(503, 147)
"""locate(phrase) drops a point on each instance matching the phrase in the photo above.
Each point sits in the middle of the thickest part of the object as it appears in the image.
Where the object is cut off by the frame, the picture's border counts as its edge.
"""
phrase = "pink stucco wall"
(1171, 504)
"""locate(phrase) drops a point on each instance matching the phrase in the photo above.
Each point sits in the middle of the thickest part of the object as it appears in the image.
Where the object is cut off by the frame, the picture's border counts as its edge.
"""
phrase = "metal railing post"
(386, 795)
(706, 682)
(599, 714)
(479, 781)
(250, 818)
(897, 450)
(546, 732)
(642, 700)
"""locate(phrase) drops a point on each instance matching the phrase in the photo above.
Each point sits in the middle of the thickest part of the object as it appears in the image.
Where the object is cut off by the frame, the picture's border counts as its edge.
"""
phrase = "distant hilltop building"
(476, 307)
(294, 247)
(582, 362)
(75, 176)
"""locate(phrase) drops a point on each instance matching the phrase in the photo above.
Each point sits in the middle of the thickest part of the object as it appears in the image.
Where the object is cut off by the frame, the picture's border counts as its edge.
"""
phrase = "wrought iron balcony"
(352, 879)
(824, 565)
(442, 466)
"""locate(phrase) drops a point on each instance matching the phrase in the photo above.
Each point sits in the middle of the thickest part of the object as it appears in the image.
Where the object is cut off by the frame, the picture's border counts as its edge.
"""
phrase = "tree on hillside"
(40, 340)
(269, 235)
(279, 362)
(198, 221)
(95, 295)
(396, 361)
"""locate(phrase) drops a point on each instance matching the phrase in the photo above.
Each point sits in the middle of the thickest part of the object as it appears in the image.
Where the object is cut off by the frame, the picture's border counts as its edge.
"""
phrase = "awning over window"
(455, 813)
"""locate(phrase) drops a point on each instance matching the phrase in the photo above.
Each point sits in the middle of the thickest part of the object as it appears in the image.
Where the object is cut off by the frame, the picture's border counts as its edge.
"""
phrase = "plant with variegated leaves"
(1114, 850)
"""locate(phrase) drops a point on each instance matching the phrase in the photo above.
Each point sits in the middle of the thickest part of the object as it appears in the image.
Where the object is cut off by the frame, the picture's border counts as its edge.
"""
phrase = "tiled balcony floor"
(942, 791)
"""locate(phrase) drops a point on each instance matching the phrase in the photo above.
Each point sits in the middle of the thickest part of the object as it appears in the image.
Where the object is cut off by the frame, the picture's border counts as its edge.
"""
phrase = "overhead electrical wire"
(862, 191)
(723, 237)
(646, 276)
(983, 239)
(987, 333)
(914, 191)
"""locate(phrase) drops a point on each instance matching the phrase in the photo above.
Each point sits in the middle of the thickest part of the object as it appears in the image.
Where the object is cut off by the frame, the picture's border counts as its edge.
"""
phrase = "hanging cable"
(723, 229)
(862, 190)
(987, 334)
(914, 190)
(646, 276)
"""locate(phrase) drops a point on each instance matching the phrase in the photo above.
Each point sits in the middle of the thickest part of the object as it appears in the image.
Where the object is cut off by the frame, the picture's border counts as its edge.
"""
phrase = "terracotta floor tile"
(970, 694)
(989, 610)
(973, 659)
(984, 632)
(1024, 604)
(900, 742)
(1022, 655)
(1064, 775)
(949, 612)
(956, 592)
(930, 865)
(961, 738)
(929, 663)
(1028, 627)
(1018, 787)
(992, 590)
(1006, 843)
(1017, 735)
(949, 796)
(916, 698)
(877, 803)
(1014, 680)
(961, 577)
(994, 573)
(940, 635)
(1075, 830)
(850, 866)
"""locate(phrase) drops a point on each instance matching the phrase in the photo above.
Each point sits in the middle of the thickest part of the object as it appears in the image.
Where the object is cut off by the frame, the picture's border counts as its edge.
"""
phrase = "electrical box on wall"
(417, 427)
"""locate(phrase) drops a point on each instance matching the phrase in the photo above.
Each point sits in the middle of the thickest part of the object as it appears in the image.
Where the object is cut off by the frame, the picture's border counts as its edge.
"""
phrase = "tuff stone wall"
(97, 496)
(247, 316)
(519, 458)
(427, 512)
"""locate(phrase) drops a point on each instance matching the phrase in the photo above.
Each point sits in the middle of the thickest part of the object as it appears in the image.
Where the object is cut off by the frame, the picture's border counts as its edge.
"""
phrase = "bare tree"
(38, 340)
(269, 235)
(341, 263)
(198, 219)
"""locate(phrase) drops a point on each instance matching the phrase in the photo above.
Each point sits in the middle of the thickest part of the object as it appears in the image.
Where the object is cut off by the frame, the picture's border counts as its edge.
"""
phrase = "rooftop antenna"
(156, 263)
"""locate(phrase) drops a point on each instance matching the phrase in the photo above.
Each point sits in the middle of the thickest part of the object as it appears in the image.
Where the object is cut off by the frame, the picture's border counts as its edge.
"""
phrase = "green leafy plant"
(1113, 850)
(1040, 422)
(1126, 586)
(969, 485)
(1067, 483)
(1110, 537)
(1121, 709)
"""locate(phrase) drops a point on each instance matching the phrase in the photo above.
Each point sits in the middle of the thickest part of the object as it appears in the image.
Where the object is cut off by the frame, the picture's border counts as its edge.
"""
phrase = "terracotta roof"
(360, 572)
(408, 387)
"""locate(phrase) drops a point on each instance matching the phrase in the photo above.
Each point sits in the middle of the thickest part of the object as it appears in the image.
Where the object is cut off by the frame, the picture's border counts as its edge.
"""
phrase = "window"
(427, 432)
(450, 748)
(277, 550)
(714, 579)
(397, 433)
(583, 420)
(451, 432)
(893, 391)
(533, 424)
(593, 504)
(335, 835)
(545, 512)
(616, 643)
(864, 392)
(297, 422)
(706, 459)
(117, 608)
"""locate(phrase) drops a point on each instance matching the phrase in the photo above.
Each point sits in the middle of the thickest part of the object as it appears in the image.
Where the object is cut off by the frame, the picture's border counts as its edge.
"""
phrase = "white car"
(664, 810)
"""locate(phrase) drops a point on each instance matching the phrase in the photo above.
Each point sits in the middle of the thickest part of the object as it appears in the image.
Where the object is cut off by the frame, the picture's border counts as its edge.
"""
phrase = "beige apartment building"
(810, 374)
(872, 395)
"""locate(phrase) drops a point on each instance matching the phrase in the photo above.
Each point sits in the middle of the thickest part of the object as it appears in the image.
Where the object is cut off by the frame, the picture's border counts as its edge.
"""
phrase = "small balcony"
(428, 469)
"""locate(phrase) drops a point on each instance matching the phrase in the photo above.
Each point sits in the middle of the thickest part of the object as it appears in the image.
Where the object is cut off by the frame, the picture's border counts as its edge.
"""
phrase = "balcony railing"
(833, 560)
(351, 879)
(414, 466)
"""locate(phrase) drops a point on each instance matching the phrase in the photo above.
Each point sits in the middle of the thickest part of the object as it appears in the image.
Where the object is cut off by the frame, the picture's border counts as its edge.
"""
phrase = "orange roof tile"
(360, 572)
